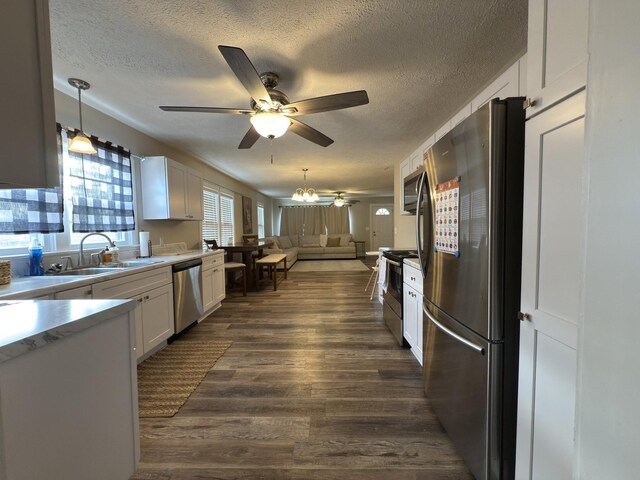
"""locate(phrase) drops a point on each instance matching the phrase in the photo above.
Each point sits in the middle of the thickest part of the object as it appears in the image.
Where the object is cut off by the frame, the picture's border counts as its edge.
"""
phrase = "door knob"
(524, 316)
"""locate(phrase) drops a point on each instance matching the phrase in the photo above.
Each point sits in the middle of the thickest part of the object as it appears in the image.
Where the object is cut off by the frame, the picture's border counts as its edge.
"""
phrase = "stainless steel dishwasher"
(187, 293)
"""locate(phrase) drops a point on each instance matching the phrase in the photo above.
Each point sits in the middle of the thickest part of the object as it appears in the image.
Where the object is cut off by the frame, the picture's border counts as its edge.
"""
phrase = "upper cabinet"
(506, 85)
(557, 51)
(170, 190)
(27, 123)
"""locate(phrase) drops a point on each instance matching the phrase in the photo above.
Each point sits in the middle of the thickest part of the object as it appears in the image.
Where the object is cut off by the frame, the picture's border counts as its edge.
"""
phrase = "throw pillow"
(323, 240)
(285, 242)
(344, 240)
(333, 242)
(275, 245)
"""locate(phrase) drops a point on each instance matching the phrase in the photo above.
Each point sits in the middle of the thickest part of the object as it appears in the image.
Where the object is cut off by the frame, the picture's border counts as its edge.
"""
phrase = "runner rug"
(168, 378)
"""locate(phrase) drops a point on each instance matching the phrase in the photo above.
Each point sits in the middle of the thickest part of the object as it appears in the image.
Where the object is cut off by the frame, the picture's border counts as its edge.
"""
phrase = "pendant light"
(305, 194)
(80, 143)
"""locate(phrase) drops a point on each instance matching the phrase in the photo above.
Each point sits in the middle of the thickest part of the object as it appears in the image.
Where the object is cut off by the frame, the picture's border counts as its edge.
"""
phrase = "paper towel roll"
(144, 244)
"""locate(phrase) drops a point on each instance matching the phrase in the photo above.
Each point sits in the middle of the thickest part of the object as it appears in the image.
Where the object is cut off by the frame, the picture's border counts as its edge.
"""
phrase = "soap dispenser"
(35, 258)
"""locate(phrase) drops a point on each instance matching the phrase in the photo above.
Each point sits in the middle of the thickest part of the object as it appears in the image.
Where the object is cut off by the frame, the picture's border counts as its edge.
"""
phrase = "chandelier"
(305, 194)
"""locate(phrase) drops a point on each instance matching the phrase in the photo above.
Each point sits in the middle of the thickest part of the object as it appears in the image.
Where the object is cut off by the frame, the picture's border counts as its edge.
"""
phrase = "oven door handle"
(393, 263)
(451, 333)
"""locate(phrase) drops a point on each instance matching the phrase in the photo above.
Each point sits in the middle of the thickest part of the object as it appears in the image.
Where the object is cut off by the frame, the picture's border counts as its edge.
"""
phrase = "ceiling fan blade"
(249, 139)
(238, 111)
(246, 73)
(337, 101)
(311, 134)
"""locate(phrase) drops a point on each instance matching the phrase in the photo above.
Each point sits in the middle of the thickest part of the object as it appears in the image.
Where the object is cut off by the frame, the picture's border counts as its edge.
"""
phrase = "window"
(18, 243)
(226, 218)
(217, 223)
(260, 220)
(382, 211)
(211, 215)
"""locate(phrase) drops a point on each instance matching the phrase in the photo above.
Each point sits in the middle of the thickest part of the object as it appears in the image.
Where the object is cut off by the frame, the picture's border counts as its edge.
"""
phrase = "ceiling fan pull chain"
(271, 145)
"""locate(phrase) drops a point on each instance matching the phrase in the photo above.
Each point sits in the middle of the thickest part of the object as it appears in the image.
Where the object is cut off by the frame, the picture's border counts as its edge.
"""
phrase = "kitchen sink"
(137, 263)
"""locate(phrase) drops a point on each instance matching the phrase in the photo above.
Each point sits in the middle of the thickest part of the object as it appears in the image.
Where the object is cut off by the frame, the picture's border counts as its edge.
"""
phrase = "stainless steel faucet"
(81, 259)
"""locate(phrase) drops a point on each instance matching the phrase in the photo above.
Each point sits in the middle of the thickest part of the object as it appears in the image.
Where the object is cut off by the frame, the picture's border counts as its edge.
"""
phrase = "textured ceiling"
(418, 60)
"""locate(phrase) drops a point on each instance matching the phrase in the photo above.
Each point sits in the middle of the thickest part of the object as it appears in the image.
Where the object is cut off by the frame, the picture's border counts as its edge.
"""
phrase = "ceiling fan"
(340, 201)
(271, 114)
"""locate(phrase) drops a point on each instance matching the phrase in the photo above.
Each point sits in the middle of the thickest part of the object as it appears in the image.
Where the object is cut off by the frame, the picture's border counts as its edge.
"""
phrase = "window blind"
(226, 219)
(260, 221)
(211, 215)
(102, 191)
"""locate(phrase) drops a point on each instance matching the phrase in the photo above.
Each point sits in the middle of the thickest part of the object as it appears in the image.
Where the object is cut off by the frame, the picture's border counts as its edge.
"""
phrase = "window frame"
(260, 209)
(224, 224)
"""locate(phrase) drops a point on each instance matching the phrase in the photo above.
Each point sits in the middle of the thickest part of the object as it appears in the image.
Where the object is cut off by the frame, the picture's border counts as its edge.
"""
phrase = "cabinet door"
(157, 316)
(410, 312)
(194, 195)
(556, 51)
(219, 293)
(443, 130)
(28, 126)
(139, 328)
(415, 163)
(207, 290)
(176, 189)
(552, 271)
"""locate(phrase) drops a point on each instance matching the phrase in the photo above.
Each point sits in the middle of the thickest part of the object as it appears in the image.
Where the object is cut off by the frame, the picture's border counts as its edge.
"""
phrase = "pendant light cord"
(80, 107)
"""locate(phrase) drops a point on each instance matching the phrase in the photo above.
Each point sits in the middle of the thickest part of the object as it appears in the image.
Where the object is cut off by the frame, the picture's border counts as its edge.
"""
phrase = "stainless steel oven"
(393, 291)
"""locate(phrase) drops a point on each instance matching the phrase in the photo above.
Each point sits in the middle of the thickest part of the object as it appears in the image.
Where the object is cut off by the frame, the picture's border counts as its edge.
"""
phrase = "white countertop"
(413, 262)
(30, 287)
(27, 325)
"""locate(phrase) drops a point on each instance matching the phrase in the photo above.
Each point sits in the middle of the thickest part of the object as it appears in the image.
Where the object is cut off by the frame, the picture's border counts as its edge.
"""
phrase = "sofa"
(313, 247)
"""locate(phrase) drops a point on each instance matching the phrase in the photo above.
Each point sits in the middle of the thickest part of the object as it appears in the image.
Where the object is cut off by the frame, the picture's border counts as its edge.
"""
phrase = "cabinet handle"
(529, 102)
(88, 292)
(139, 300)
(146, 297)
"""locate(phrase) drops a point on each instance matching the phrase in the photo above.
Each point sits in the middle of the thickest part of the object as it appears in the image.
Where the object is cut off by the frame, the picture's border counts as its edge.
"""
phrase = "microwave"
(410, 192)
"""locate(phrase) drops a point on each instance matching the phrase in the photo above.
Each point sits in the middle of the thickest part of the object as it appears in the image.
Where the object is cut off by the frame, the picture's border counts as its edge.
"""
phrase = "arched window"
(383, 211)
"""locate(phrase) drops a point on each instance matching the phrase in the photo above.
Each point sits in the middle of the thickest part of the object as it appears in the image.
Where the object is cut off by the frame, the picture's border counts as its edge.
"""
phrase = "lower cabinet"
(154, 318)
(213, 291)
(153, 293)
(412, 315)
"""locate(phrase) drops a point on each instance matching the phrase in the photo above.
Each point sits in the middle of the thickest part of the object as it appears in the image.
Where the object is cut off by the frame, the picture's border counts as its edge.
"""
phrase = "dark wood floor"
(313, 387)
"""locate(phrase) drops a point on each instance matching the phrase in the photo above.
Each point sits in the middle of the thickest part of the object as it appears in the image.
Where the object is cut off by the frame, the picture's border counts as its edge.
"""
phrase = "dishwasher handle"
(179, 267)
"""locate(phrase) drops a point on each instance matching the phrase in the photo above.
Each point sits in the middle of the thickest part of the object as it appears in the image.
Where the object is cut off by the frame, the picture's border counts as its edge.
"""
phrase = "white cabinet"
(415, 163)
(442, 131)
(170, 190)
(556, 51)
(28, 128)
(153, 293)
(460, 116)
(213, 290)
(552, 272)
(70, 410)
(412, 310)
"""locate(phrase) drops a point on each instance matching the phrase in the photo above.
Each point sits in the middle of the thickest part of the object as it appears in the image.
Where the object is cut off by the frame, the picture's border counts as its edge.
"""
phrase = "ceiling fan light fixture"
(338, 202)
(270, 124)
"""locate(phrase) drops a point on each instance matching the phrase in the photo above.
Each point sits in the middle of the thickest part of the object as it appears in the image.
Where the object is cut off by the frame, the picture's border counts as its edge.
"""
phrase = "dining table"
(246, 250)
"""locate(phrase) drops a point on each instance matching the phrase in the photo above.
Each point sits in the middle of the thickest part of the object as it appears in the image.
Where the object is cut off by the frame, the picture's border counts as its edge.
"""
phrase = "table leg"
(275, 276)
(285, 268)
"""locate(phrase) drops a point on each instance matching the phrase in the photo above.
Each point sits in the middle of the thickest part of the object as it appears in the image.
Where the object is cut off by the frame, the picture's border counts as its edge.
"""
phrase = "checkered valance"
(102, 191)
(32, 210)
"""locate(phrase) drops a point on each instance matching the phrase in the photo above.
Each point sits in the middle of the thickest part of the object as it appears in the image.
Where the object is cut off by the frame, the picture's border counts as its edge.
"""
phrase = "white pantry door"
(552, 270)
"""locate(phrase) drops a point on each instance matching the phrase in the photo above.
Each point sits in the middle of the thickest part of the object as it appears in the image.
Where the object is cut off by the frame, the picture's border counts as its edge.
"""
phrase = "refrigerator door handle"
(418, 234)
(462, 340)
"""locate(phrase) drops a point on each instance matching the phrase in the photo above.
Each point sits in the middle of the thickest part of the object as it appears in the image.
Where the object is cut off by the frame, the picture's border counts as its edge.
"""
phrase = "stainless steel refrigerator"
(469, 231)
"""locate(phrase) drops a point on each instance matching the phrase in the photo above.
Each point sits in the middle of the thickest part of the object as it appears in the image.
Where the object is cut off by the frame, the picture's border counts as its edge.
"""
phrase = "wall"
(170, 231)
(607, 419)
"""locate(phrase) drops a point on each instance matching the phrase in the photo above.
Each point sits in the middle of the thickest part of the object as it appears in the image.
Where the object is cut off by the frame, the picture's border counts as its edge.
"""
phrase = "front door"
(381, 226)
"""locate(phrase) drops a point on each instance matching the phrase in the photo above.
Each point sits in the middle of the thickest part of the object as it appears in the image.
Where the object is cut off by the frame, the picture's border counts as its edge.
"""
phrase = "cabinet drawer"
(412, 277)
(75, 293)
(212, 261)
(132, 285)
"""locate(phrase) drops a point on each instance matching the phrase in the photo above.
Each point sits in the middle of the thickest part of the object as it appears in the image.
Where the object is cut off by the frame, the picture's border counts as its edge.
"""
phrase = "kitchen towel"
(144, 244)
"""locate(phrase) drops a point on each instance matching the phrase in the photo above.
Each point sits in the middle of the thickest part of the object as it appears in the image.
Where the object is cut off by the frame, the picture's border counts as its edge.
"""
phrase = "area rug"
(329, 266)
(168, 378)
